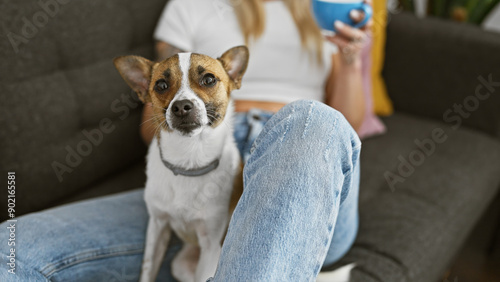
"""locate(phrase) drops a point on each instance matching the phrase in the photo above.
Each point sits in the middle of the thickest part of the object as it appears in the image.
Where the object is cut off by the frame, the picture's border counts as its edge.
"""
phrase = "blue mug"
(326, 12)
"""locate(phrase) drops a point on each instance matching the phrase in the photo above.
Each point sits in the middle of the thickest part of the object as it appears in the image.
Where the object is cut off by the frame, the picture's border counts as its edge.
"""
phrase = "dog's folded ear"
(136, 71)
(235, 62)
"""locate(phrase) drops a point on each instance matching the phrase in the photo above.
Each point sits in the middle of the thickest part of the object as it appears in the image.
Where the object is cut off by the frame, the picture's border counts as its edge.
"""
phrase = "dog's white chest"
(188, 201)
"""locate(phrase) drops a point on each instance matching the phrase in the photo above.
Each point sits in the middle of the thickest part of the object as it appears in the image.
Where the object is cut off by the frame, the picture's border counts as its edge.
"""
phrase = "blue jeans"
(298, 211)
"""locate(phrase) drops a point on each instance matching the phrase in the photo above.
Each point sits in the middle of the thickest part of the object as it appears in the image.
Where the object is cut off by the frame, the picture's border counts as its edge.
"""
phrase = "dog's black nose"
(182, 108)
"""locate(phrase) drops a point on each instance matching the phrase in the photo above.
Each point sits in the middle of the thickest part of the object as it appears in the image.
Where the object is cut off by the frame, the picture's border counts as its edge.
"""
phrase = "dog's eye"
(208, 80)
(161, 86)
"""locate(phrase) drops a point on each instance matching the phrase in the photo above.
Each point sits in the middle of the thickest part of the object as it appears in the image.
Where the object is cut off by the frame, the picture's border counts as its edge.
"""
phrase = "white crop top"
(279, 70)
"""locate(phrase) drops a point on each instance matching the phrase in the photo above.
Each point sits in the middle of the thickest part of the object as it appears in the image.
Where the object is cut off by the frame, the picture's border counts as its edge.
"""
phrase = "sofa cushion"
(444, 70)
(410, 230)
(68, 119)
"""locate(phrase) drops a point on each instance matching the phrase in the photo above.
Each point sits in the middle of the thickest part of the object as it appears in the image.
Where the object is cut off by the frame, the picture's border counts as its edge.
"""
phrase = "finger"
(328, 33)
(339, 41)
(330, 38)
(368, 26)
(357, 16)
(348, 32)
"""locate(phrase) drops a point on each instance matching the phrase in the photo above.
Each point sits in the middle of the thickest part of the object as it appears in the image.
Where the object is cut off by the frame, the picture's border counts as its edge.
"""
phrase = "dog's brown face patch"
(166, 78)
(210, 82)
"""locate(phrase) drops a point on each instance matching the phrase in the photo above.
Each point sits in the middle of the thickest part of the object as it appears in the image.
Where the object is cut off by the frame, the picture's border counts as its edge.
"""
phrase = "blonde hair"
(252, 20)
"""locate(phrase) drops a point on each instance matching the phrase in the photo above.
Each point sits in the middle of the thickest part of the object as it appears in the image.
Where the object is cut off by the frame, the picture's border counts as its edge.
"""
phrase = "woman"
(298, 211)
(289, 61)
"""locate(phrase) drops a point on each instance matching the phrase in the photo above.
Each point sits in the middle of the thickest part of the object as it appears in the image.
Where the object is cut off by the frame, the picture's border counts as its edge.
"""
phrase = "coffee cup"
(326, 12)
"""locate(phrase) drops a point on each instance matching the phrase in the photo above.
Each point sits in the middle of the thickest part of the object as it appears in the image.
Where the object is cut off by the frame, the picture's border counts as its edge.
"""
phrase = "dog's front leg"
(157, 238)
(209, 237)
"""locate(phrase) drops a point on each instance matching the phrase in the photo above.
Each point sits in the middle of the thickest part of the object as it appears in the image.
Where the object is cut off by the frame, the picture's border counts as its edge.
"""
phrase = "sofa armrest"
(440, 69)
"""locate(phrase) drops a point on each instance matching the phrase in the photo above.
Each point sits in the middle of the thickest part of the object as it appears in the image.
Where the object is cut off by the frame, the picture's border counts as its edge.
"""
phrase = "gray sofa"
(70, 126)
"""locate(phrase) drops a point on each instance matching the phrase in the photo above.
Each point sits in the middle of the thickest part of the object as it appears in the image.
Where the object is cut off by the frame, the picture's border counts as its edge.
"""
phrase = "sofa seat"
(131, 178)
(407, 231)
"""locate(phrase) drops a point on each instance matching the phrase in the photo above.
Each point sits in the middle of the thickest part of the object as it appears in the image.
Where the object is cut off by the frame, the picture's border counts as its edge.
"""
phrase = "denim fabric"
(247, 127)
(298, 211)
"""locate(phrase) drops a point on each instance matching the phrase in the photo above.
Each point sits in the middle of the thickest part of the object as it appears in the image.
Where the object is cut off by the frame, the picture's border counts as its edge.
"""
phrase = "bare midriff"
(246, 105)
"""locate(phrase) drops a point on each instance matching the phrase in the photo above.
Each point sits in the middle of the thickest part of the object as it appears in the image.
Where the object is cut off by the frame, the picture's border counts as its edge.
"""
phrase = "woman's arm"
(344, 90)
(147, 130)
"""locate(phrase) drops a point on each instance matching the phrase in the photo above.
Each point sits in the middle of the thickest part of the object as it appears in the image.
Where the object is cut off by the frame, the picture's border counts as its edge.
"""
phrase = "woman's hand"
(350, 40)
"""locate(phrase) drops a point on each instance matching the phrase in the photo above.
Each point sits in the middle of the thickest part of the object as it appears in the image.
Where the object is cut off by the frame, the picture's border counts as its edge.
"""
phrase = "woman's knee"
(314, 117)
(309, 120)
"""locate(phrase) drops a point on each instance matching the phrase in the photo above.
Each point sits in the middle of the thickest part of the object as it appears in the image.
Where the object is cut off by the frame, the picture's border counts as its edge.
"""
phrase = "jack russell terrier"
(193, 160)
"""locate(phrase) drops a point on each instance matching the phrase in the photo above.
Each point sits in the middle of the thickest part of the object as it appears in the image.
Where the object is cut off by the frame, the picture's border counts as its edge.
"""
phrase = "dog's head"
(188, 91)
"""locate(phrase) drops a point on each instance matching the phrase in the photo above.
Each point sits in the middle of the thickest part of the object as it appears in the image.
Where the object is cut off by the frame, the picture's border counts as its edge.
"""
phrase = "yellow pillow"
(381, 103)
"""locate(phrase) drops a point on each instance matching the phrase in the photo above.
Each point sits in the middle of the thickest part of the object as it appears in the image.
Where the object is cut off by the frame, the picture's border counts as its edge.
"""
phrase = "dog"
(193, 160)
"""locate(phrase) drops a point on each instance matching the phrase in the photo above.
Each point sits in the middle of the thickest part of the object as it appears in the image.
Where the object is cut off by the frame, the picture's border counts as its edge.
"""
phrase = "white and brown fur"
(196, 208)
